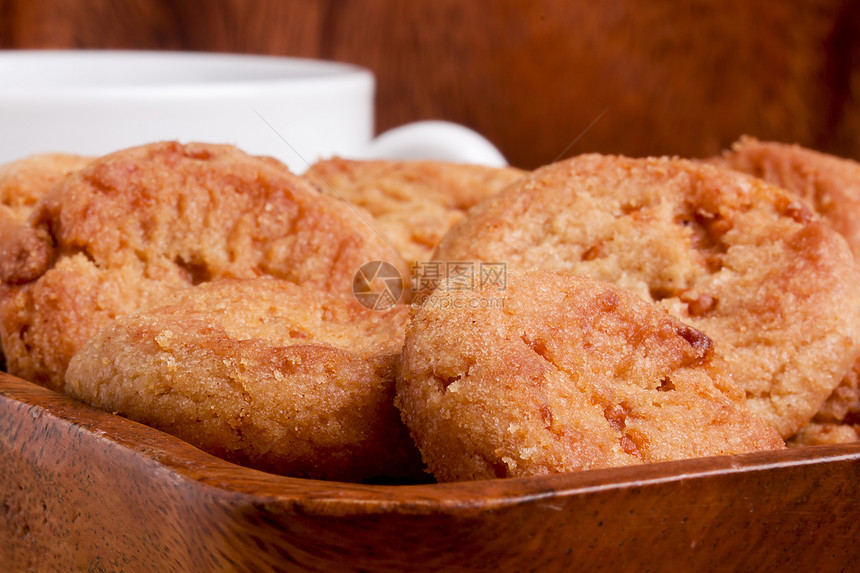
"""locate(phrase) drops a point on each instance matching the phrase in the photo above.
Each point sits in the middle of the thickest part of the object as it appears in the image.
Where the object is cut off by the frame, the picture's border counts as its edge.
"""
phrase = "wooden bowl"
(82, 489)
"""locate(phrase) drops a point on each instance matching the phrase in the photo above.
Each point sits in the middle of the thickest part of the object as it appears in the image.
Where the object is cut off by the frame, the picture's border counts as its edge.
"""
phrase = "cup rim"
(50, 74)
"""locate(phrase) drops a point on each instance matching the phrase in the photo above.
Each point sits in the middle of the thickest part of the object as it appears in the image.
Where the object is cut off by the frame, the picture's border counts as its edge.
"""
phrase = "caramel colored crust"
(24, 182)
(117, 235)
(820, 434)
(261, 372)
(832, 185)
(742, 260)
(414, 203)
(557, 373)
(844, 404)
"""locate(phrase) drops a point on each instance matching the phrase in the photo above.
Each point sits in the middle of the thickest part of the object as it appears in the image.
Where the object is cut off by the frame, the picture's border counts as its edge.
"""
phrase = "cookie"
(25, 181)
(413, 203)
(744, 261)
(22, 184)
(822, 434)
(838, 418)
(832, 185)
(557, 372)
(261, 372)
(120, 234)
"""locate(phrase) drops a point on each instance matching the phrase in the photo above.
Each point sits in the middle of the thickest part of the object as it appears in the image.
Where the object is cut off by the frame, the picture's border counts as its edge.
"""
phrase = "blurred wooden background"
(663, 77)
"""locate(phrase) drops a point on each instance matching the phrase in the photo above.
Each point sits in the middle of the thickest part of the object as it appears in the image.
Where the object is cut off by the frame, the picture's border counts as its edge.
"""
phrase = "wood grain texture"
(81, 489)
(668, 78)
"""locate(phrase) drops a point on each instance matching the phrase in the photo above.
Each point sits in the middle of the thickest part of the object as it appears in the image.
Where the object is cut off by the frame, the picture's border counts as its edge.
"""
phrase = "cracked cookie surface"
(413, 203)
(132, 226)
(261, 372)
(746, 262)
(22, 183)
(832, 186)
(25, 181)
(558, 372)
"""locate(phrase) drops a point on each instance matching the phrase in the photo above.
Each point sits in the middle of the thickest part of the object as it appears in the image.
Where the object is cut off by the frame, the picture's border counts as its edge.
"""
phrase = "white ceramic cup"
(96, 102)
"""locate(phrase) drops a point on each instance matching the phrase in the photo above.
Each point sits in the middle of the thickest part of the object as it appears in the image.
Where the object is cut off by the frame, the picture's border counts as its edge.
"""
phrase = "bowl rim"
(329, 498)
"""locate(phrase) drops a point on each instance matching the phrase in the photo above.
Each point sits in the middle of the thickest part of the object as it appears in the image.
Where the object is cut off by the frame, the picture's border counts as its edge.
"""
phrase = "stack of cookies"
(382, 319)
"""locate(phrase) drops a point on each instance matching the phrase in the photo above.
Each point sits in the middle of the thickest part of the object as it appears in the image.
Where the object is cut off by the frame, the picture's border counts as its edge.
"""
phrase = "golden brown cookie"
(132, 226)
(262, 372)
(842, 406)
(832, 185)
(740, 259)
(25, 181)
(22, 184)
(820, 434)
(557, 372)
(413, 203)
